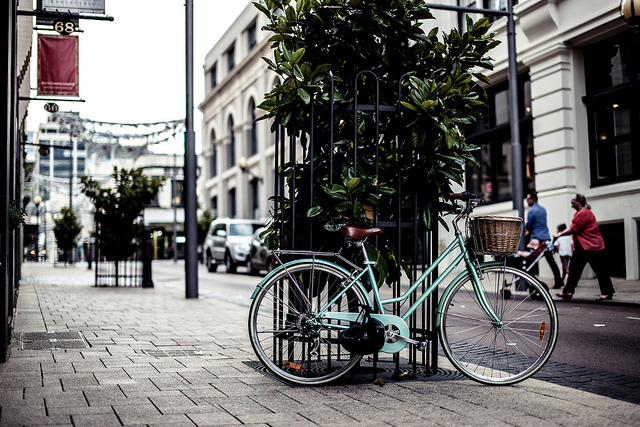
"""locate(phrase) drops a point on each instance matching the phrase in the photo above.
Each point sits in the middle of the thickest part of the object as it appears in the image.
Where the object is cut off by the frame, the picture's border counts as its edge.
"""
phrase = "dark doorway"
(613, 235)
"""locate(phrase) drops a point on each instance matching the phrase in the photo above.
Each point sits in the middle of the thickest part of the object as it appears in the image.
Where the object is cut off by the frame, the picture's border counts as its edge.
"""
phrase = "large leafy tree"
(319, 44)
(118, 207)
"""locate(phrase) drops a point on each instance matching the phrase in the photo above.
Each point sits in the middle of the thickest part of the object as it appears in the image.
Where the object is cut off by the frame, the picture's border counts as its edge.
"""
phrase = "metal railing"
(403, 227)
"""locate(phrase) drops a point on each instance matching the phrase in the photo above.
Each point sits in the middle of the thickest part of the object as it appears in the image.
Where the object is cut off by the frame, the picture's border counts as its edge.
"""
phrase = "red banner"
(58, 65)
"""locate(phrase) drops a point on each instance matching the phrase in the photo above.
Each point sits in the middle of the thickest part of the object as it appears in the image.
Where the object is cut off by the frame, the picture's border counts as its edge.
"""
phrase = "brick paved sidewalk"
(156, 358)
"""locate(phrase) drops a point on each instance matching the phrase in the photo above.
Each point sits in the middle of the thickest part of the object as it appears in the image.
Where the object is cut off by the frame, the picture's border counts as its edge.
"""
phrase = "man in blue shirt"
(536, 228)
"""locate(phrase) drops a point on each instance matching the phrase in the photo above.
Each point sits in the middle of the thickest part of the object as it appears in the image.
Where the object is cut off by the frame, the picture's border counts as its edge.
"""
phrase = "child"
(564, 247)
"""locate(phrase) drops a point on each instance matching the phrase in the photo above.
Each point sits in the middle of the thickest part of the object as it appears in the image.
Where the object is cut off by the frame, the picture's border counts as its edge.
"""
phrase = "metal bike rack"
(299, 232)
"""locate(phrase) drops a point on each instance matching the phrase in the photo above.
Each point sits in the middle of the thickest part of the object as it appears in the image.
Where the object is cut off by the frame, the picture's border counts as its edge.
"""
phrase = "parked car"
(259, 257)
(228, 242)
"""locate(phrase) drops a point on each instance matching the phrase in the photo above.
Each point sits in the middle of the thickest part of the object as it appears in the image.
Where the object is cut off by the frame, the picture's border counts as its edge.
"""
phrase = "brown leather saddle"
(360, 233)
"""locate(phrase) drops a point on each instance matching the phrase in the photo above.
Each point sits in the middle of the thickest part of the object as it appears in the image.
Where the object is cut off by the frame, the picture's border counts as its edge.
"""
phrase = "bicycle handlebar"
(472, 201)
(465, 196)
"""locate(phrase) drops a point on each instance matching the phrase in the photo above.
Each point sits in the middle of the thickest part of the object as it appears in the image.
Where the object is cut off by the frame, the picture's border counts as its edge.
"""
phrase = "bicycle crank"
(391, 336)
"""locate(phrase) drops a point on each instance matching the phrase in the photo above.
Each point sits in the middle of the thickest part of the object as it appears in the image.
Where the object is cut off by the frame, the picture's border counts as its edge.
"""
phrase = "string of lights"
(112, 133)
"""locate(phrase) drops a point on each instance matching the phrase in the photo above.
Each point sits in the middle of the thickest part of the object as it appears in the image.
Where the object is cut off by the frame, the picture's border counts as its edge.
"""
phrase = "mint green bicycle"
(311, 319)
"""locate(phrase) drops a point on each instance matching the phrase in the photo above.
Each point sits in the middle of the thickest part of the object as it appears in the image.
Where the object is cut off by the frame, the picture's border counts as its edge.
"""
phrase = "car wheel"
(228, 262)
(211, 267)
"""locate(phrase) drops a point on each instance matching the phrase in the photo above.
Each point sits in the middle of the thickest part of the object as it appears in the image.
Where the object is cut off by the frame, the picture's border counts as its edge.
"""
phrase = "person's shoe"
(604, 297)
(565, 297)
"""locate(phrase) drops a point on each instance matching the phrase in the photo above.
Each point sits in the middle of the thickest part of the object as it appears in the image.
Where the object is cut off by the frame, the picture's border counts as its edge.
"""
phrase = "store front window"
(493, 177)
(612, 75)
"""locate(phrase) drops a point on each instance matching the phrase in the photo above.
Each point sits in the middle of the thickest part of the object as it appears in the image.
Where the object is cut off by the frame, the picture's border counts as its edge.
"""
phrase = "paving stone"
(214, 418)
(81, 410)
(118, 379)
(96, 420)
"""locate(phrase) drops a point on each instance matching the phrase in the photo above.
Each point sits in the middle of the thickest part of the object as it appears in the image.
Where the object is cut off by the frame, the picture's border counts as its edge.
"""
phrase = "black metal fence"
(131, 272)
(401, 228)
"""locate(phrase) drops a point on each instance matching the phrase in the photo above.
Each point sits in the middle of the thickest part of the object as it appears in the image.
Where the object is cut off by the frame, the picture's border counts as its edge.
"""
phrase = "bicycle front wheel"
(504, 353)
(283, 330)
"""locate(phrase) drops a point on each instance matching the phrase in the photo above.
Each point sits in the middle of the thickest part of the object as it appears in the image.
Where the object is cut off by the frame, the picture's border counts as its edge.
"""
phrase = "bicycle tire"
(493, 354)
(290, 346)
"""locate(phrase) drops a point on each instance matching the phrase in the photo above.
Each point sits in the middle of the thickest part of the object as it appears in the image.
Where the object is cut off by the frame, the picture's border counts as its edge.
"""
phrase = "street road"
(603, 337)
(598, 336)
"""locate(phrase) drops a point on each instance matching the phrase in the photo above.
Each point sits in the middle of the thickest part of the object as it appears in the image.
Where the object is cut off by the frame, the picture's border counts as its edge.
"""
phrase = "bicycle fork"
(476, 276)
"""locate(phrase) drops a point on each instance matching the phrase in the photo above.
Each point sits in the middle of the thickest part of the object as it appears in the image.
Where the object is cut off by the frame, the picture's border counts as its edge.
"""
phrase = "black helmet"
(363, 338)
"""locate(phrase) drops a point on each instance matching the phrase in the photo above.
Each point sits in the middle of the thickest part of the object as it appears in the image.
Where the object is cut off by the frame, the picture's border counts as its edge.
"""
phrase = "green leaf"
(297, 55)
(314, 211)
(428, 104)
(353, 183)
(335, 190)
(409, 106)
(343, 206)
(304, 95)
(262, 9)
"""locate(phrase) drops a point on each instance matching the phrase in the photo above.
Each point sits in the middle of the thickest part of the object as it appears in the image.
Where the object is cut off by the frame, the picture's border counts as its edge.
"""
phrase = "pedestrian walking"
(536, 228)
(564, 247)
(589, 248)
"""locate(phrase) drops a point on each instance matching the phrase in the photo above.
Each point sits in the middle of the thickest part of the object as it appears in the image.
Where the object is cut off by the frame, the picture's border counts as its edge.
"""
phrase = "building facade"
(236, 80)
(15, 38)
(578, 81)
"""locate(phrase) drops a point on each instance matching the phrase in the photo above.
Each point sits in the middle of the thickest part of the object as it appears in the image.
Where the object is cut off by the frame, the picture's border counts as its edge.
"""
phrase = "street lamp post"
(630, 11)
(176, 202)
(190, 169)
(243, 164)
(44, 252)
(37, 200)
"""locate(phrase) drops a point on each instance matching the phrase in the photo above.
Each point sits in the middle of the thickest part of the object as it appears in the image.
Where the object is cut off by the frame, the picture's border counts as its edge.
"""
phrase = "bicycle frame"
(377, 303)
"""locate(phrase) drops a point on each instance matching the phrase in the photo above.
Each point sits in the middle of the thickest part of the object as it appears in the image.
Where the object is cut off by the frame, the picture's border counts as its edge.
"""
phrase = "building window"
(232, 203)
(214, 155)
(80, 166)
(253, 131)
(62, 163)
(251, 37)
(612, 75)
(231, 58)
(214, 207)
(213, 76)
(231, 153)
(255, 208)
(44, 167)
(492, 133)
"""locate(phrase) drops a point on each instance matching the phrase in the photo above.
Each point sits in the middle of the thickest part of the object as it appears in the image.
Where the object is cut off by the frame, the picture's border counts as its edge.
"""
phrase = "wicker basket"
(496, 235)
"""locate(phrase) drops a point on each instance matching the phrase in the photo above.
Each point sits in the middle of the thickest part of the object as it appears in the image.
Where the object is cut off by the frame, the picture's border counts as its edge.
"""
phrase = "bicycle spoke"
(505, 353)
(285, 333)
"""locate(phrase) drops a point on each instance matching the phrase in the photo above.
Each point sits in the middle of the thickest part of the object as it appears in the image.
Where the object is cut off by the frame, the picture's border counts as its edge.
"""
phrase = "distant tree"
(117, 209)
(203, 225)
(66, 229)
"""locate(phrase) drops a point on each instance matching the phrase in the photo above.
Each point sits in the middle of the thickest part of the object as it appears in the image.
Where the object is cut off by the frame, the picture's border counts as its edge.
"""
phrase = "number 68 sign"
(64, 27)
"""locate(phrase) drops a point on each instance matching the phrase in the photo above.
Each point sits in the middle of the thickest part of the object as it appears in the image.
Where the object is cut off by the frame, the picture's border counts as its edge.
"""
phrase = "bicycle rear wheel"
(282, 329)
(499, 354)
